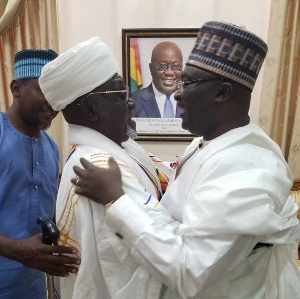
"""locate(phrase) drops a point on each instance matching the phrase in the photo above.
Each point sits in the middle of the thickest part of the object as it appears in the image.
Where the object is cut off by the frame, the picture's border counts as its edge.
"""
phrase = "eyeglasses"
(175, 67)
(183, 84)
(124, 92)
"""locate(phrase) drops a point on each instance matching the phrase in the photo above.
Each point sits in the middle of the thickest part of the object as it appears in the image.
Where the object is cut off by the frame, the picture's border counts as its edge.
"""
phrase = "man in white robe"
(236, 224)
(84, 84)
(159, 170)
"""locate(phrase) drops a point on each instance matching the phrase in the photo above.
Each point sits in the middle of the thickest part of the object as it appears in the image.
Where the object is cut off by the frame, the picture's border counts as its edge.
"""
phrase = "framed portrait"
(153, 61)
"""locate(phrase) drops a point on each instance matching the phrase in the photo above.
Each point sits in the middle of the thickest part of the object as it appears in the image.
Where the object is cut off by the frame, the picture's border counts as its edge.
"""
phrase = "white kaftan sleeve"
(218, 231)
(183, 261)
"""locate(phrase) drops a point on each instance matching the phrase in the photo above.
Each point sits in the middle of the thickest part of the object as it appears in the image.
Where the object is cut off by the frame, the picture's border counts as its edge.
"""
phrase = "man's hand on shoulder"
(103, 185)
(32, 253)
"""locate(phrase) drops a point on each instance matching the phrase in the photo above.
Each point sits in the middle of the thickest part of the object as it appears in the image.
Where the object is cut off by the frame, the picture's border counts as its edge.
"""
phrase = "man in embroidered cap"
(235, 226)
(28, 184)
(83, 82)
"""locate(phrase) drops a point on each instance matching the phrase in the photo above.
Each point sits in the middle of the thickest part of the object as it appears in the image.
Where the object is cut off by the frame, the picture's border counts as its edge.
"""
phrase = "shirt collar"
(157, 93)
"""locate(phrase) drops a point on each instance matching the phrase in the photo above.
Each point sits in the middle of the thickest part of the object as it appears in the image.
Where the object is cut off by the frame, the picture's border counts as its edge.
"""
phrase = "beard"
(131, 133)
(44, 126)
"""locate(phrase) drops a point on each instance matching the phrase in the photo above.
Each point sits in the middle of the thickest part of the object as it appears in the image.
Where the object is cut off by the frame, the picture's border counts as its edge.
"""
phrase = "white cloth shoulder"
(228, 196)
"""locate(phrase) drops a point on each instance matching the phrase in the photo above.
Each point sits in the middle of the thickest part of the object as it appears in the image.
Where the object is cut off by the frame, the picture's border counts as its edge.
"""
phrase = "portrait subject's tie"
(168, 108)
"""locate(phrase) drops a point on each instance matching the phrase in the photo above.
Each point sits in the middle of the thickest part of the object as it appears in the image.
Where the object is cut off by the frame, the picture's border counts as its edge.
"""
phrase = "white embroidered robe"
(107, 269)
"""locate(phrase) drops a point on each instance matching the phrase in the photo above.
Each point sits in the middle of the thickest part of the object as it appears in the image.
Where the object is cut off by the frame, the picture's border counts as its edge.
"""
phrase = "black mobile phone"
(49, 230)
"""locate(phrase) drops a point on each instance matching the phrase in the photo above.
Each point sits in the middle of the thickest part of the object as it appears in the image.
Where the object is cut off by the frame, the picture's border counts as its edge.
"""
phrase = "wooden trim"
(296, 185)
(161, 34)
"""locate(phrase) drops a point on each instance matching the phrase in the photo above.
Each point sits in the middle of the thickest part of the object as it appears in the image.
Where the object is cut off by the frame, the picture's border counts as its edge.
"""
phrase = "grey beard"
(131, 133)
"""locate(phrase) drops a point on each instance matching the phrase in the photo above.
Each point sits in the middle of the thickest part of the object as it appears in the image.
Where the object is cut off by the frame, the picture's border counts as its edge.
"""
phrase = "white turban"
(77, 72)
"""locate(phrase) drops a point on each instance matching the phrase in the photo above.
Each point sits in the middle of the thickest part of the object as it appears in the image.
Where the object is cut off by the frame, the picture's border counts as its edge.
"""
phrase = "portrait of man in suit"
(157, 99)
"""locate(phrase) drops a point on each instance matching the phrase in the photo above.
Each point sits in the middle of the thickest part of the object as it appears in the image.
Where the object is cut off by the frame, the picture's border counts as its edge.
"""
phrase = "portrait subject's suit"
(146, 105)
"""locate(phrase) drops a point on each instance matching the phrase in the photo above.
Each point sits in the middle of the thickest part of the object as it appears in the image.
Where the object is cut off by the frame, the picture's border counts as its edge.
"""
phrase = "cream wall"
(80, 20)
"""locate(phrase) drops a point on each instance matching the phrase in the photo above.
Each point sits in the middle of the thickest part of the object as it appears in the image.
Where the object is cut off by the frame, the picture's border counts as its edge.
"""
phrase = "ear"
(151, 67)
(225, 93)
(89, 110)
(15, 88)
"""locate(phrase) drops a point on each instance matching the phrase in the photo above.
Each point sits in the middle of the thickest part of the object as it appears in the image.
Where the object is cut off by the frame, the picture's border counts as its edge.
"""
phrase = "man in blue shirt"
(28, 185)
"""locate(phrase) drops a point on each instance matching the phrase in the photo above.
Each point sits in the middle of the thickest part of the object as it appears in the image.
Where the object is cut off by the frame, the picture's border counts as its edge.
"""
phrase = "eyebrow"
(176, 62)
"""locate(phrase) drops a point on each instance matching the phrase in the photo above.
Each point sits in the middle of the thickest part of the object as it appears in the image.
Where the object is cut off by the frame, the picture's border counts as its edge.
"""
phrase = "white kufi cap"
(77, 72)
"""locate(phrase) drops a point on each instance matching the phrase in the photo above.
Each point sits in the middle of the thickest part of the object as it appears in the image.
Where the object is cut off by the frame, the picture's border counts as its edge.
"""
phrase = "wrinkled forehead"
(167, 53)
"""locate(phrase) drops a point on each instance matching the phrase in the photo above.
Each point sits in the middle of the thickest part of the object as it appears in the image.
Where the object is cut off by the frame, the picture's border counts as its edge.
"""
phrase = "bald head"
(165, 47)
(166, 66)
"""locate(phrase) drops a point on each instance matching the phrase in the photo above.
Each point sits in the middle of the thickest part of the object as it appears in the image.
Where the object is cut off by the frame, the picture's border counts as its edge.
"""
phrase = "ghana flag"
(136, 82)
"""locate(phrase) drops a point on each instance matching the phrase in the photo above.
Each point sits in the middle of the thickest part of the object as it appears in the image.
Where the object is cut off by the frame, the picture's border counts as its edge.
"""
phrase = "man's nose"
(169, 70)
(48, 105)
(177, 95)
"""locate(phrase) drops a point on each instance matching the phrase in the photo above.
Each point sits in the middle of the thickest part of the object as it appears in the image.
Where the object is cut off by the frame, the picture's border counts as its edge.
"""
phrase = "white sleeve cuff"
(126, 218)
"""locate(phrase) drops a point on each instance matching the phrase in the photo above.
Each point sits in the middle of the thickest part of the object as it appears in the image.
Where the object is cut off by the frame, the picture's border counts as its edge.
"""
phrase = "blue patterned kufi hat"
(29, 63)
(229, 51)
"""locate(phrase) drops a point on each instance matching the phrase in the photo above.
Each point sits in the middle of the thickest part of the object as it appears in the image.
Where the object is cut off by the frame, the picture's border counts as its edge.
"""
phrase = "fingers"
(80, 191)
(63, 260)
(112, 162)
(75, 181)
(58, 264)
(58, 270)
(84, 192)
(113, 165)
(86, 164)
(55, 273)
(61, 249)
(79, 171)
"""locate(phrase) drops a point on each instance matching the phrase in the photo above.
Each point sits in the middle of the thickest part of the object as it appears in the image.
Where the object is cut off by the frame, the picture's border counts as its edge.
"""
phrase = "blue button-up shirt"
(28, 189)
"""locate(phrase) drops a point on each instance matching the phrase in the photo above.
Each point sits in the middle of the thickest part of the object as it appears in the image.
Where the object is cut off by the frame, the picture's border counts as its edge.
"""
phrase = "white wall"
(80, 20)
